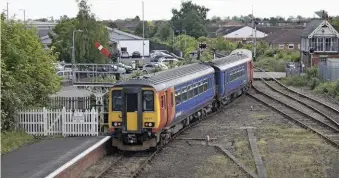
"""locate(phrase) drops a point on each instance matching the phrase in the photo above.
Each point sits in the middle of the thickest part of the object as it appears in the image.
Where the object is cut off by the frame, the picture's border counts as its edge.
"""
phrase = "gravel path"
(192, 159)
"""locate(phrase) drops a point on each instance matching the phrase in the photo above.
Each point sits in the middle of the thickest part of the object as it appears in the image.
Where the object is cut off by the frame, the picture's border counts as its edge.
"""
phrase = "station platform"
(42, 158)
(268, 75)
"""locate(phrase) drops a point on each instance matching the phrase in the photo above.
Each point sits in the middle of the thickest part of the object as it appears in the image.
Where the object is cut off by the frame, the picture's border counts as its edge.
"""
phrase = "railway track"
(330, 110)
(131, 164)
(297, 111)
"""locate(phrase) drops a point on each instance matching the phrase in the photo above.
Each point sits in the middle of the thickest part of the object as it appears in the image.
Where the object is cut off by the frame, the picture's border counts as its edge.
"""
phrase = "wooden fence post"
(45, 118)
(93, 122)
(63, 121)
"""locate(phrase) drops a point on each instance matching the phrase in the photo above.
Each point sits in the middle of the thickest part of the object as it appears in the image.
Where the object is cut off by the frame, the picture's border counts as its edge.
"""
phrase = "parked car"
(128, 68)
(124, 54)
(150, 67)
(66, 75)
(168, 61)
(136, 54)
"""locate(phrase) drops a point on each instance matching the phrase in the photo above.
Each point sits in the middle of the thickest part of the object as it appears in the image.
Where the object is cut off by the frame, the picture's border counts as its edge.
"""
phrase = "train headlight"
(116, 124)
(149, 124)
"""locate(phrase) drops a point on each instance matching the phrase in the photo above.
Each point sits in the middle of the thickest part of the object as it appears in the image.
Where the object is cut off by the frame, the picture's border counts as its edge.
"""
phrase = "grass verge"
(12, 140)
(295, 152)
(219, 166)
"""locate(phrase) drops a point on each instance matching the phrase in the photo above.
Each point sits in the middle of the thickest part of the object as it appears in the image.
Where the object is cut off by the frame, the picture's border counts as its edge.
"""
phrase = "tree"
(27, 71)
(85, 51)
(335, 22)
(192, 18)
(164, 31)
(149, 29)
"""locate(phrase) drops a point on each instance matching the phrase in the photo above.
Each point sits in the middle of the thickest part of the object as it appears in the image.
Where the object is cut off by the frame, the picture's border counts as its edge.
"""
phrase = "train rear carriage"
(234, 73)
(141, 109)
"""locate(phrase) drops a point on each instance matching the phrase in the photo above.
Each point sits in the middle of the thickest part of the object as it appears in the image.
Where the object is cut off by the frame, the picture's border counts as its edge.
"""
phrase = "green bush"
(297, 81)
(313, 83)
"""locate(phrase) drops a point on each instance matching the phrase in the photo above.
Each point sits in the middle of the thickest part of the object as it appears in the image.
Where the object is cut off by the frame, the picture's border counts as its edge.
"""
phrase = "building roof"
(311, 26)
(228, 29)
(284, 36)
(116, 34)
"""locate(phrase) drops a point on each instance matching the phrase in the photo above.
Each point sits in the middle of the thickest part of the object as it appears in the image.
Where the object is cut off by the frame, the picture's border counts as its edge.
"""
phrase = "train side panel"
(192, 96)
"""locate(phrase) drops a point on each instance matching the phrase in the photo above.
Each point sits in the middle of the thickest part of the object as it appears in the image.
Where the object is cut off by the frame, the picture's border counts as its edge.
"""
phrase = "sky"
(161, 9)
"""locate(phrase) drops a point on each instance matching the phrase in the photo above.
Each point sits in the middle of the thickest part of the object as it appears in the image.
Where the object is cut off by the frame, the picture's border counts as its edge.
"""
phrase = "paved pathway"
(40, 159)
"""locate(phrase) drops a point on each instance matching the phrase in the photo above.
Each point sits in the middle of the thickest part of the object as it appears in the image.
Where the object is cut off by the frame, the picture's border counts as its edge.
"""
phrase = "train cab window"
(184, 95)
(148, 101)
(189, 93)
(177, 98)
(116, 100)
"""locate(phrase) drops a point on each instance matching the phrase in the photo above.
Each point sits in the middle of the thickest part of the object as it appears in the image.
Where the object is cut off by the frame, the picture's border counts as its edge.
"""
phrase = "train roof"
(172, 77)
(237, 57)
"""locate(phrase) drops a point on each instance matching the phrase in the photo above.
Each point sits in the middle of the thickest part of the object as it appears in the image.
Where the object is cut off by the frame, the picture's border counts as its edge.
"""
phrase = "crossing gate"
(44, 122)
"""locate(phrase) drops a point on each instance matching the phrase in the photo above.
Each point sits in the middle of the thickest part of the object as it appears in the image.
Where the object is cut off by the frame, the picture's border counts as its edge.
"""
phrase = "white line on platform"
(77, 158)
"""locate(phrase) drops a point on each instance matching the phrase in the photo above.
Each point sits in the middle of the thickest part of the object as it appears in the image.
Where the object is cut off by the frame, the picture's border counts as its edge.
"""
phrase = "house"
(123, 41)
(319, 42)
(284, 39)
(43, 28)
(241, 33)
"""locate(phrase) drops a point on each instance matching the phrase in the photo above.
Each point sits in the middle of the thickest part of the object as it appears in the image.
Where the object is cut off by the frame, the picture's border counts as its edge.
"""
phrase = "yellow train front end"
(134, 117)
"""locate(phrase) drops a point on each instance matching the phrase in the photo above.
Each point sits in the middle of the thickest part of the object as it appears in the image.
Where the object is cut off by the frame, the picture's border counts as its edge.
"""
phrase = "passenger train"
(146, 111)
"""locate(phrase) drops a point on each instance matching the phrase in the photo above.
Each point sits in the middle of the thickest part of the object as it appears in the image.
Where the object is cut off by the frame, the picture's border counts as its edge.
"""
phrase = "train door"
(170, 105)
(132, 110)
(251, 70)
(163, 106)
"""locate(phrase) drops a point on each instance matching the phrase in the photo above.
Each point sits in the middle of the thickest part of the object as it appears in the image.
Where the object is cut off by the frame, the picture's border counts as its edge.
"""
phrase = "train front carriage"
(143, 109)
(134, 115)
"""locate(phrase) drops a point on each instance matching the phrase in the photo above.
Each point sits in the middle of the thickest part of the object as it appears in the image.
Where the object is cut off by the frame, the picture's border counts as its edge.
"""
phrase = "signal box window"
(116, 100)
(148, 100)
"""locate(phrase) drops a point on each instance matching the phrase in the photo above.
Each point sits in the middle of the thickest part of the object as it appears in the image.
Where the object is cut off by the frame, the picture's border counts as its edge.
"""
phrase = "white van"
(66, 75)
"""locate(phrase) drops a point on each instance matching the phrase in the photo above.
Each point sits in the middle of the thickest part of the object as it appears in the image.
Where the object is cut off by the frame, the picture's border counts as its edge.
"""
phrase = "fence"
(328, 72)
(64, 122)
(58, 102)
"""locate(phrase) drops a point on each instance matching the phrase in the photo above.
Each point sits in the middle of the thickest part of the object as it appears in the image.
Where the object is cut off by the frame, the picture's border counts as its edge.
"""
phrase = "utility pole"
(7, 11)
(73, 49)
(143, 33)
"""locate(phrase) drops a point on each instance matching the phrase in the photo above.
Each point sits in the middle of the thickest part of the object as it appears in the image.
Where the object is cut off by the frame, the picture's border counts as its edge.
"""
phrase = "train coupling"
(131, 138)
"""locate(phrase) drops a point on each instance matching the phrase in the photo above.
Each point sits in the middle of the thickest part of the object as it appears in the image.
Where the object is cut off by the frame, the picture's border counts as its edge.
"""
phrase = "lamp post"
(73, 49)
(143, 33)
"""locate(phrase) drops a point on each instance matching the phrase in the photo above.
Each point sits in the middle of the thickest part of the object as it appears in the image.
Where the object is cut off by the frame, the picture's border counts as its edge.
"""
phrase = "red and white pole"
(103, 50)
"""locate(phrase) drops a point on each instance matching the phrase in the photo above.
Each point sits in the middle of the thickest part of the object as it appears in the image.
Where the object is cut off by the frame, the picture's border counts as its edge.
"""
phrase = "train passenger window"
(205, 85)
(189, 93)
(116, 100)
(196, 90)
(184, 95)
(148, 100)
(201, 87)
(177, 98)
